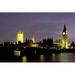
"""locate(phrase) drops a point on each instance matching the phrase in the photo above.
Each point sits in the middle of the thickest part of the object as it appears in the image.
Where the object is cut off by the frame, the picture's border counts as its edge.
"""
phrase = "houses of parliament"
(63, 44)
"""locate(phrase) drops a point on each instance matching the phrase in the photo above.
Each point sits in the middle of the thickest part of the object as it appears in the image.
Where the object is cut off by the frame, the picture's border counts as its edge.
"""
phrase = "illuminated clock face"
(64, 33)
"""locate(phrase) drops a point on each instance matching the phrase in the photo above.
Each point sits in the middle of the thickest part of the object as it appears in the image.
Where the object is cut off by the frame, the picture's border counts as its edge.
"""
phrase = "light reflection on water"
(67, 57)
(64, 57)
(41, 58)
(61, 57)
(53, 57)
(24, 59)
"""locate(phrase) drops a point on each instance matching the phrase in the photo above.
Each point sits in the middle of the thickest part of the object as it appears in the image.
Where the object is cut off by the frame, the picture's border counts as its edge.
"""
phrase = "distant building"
(33, 39)
(57, 43)
(19, 37)
(33, 42)
(64, 40)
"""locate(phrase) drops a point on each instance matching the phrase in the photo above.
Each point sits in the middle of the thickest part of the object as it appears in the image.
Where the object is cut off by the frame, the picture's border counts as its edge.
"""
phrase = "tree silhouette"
(47, 42)
(73, 44)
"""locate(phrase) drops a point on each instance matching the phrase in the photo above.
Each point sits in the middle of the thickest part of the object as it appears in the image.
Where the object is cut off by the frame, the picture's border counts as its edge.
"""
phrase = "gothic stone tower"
(64, 41)
(19, 37)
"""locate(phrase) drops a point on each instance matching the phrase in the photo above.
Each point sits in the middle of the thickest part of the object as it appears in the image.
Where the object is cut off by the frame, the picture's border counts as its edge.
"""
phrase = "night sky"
(40, 25)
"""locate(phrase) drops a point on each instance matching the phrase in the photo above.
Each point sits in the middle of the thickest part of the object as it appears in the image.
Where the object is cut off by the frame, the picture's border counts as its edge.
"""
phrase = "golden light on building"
(64, 41)
(33, 39)
(33, 43)
(19, 37)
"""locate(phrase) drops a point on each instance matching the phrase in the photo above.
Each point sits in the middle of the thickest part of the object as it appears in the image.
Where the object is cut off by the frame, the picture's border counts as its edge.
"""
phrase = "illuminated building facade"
(33, 39)
(33, 43)
(64, 40)
(19, 37)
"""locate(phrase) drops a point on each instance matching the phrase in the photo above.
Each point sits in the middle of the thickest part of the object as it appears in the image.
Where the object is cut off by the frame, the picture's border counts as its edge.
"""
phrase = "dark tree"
(6, 43)
(48, 42)
(72, 44)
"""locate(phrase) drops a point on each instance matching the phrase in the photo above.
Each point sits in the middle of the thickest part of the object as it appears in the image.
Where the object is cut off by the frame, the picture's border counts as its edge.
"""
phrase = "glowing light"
(64, 43)
(53, 55)
(64, 33)
(24, 59)
(34, 45)
(17, 53)
(33, 39)
(24, 47)
(41, 58)
(20, 37)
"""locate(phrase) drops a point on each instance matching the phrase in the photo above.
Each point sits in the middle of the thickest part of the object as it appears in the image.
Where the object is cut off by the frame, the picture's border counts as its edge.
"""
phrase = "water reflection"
(24, 59)
(61, 57)
(41, 58)
(72, 57)
(53, 57)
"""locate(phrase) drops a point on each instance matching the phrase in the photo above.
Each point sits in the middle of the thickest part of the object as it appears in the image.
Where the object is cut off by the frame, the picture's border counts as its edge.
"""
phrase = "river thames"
(61, 57)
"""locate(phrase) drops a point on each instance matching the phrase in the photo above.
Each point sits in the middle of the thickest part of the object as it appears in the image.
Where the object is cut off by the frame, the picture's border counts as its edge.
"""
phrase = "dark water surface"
(61, 57)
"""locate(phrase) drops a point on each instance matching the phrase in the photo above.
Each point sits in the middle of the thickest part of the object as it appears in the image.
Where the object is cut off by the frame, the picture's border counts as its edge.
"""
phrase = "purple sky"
(38, 24)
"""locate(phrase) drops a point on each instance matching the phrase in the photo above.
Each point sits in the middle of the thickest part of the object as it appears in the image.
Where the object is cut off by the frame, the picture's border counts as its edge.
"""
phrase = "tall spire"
(64, 30)
(64, 43)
